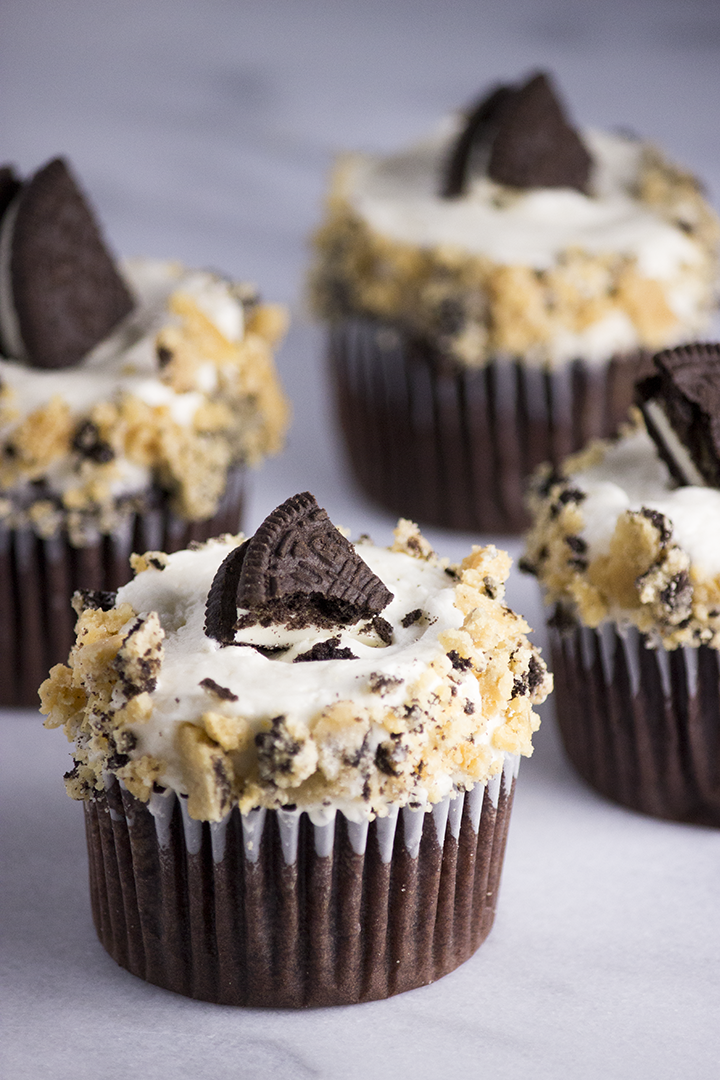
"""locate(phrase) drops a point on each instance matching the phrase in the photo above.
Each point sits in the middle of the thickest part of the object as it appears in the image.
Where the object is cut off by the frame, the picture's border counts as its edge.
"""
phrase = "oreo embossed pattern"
(297, 756)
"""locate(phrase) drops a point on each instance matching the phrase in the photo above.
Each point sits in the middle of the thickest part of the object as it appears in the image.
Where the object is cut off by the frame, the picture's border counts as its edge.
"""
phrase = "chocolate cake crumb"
(469, 708)
(221, 692)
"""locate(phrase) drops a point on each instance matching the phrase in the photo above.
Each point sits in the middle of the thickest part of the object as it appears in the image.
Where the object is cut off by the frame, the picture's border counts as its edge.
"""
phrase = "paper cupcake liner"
(452, 446)
(267, 909)
(641, 725)
(39, 576)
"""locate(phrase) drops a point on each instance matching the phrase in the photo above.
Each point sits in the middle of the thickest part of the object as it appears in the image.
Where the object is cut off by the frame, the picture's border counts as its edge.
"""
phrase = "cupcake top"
(298, 669)
(627, 530)
(507, 231)
(114, 379)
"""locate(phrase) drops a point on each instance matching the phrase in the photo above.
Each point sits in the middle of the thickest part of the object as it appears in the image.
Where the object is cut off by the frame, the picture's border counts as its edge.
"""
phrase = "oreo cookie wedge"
(519, 136)
(681, 407)
(62, 291)
(9, 187)
(297, 570)
(535, 145)
(471, 151)
(221, 605)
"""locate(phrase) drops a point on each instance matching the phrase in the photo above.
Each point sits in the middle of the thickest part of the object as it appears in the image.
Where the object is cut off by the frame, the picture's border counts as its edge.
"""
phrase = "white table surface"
(204, 131)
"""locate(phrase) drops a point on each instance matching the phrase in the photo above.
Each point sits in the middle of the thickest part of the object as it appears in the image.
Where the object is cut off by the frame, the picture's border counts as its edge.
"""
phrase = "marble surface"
(204, 131)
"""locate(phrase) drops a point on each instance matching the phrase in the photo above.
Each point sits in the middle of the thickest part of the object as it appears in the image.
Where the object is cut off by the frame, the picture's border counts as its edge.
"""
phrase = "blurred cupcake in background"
(131, 400)
(491, 294)
(625, 545)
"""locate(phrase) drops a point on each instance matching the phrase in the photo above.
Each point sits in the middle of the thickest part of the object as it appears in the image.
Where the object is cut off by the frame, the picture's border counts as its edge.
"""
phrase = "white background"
(204, 131)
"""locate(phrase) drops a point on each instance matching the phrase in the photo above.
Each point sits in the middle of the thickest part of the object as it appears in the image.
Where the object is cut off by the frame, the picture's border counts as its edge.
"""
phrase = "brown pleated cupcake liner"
(267, 909)
(641, 725)
(453, 446)
(39, 576)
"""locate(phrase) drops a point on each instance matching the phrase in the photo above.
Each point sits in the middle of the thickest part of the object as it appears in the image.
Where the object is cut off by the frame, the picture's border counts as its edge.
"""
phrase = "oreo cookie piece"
(472, 150)
(521, 137)
(9, 187)
(681, 407)
(297, 570)
(66, 292)
(221, 605)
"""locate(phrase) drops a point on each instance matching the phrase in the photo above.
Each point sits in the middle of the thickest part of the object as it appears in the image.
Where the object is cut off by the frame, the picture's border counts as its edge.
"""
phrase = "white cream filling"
(11, 336)
(268, 687)
(631, 476)
(675, 448)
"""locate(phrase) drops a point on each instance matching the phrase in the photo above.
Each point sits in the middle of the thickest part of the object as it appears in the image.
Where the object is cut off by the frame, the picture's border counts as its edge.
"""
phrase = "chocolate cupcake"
(298, 758)
(491, 294)
(131, 400)
(625, 546)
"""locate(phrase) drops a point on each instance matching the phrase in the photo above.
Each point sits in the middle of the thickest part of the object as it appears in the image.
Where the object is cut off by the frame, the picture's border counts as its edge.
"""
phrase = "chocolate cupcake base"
(39, 576)
(452, 446)
(641, 725)
(267, 909)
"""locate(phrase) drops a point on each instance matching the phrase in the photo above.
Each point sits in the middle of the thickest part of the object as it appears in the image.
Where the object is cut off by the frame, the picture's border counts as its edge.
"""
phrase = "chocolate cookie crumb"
(326, 650)
(382, 684)
(411, 617)
(96, 599)
(221, 692)
(460, 663)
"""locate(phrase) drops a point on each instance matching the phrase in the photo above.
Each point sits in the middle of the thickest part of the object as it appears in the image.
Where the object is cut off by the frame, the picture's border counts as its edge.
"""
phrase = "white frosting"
(631, 476)
(268, 687)
(125, 362)
(398, 197)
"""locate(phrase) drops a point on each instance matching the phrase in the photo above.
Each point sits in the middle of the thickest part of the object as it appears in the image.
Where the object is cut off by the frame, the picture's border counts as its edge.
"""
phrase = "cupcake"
(131, 400)
(298, 758)
(491, 293)
(624, 543)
